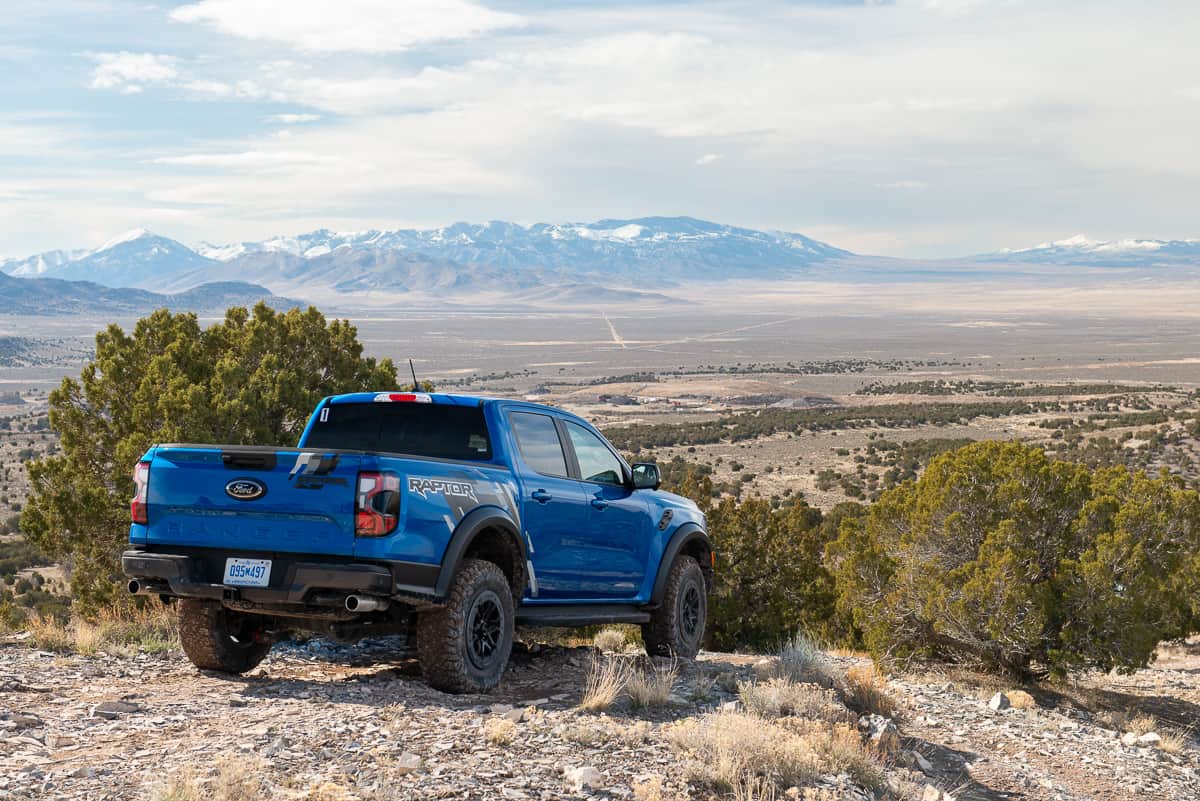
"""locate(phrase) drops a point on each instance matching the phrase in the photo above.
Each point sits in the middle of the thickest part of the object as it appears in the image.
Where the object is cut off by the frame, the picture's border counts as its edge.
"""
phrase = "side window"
(596, 462)
(538, 440)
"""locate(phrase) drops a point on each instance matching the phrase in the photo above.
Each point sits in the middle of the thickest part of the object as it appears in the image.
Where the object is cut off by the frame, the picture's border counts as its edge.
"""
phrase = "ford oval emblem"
(245, 489)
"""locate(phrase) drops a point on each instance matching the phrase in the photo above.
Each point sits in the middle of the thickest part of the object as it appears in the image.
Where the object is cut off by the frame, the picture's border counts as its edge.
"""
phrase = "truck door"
(552, 506)
(617, 533)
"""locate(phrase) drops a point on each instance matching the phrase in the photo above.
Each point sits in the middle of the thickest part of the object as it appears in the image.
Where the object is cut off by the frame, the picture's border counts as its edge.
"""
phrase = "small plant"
(754, 788)
(651, 687)
(235, 781)
(499, 731)
(605, 680)
(653, 788)
(867, 692)
(610, 640)
(800, 659)
(1173, 741)
(784, 698)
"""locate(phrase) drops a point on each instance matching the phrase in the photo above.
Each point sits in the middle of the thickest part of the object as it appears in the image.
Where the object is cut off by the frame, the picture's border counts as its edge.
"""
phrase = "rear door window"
(433, 430)
(537, 437)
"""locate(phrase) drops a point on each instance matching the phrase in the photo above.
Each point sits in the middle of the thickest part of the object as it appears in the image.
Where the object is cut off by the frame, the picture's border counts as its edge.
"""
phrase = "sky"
(917, 128)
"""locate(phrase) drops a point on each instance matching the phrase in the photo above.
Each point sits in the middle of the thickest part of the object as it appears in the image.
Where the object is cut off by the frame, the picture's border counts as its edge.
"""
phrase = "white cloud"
(294, 119)
(365, 26)
(707, 158)
(250, 159)
(130, 72)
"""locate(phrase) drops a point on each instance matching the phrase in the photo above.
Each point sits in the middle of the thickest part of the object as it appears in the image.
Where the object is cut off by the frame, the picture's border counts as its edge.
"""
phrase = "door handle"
(599, 503)
(540, 495)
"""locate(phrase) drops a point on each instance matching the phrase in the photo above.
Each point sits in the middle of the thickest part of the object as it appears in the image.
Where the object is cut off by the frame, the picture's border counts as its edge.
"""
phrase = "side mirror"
(646, 476)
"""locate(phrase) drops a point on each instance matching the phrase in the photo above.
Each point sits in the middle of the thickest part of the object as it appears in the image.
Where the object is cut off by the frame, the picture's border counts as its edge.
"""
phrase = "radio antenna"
(413, 370)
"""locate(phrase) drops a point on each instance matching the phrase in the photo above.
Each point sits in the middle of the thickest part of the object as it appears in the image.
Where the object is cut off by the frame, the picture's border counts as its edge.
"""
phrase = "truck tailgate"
(253, 499)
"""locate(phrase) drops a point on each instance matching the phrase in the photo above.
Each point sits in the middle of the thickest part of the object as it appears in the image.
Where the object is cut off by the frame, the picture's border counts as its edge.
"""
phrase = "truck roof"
(393, 396)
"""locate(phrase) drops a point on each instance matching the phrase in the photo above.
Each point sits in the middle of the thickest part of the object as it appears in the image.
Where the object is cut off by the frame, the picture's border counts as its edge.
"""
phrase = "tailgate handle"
(248, 460)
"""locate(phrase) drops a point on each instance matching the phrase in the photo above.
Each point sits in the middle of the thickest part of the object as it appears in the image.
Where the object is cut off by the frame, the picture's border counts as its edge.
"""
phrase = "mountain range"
(55, 296)
(1115, 253)
(608, 261)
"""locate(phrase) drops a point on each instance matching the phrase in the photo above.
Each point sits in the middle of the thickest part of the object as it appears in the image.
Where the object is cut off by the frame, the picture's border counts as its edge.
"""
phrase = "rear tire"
(464, 645)
(676, 628)
(215, 638)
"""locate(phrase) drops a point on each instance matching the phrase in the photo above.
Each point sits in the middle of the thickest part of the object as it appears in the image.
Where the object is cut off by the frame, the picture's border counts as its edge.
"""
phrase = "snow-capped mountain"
(136, 258)
(667, 243)
(464, 257)
(1114, 253)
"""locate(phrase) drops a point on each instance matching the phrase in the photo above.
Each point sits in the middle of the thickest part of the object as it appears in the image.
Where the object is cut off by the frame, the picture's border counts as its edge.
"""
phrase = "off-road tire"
(676, 627)
(463, 646)
(215, 638)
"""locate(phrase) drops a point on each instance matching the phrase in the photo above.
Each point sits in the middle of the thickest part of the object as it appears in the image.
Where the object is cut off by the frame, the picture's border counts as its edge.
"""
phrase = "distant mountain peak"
(120, 239)
(1081, 249)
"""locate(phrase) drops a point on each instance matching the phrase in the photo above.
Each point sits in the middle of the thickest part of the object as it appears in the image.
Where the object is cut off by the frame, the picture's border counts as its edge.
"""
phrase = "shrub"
(800, 659)
(652, 685)
(999, 557)
(610, 639)
(499, 731)
(727, 747)
(780, 697)
(604, 683)
(866, 691)
(251, 379)
(769, 577)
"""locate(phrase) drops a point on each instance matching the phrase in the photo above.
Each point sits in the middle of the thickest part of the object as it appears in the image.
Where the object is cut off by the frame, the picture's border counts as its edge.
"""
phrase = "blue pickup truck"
(446, 518)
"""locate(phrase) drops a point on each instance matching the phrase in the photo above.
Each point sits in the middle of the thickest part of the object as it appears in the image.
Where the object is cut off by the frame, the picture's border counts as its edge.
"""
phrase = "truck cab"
(448, 518)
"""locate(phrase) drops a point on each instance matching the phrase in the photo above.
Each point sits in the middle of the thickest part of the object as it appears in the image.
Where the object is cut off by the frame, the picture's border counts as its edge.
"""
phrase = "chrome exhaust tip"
(365, 603)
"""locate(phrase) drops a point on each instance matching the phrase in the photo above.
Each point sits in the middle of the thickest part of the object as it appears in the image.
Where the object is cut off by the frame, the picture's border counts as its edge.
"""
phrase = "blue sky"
(915, 128)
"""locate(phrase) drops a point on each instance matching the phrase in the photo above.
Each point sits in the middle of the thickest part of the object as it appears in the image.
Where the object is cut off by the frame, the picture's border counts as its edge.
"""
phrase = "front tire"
(676, 628)
(215, 638)
(464, 645)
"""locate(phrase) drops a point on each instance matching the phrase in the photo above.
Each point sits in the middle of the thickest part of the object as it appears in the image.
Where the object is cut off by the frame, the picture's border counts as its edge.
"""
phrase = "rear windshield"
(436, 430)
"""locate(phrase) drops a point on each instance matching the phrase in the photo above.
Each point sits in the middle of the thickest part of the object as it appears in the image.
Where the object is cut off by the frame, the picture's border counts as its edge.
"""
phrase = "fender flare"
(685, 535)
(471, 526)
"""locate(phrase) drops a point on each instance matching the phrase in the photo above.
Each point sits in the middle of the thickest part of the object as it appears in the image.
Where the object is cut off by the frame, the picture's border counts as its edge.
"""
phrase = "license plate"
(248, 572)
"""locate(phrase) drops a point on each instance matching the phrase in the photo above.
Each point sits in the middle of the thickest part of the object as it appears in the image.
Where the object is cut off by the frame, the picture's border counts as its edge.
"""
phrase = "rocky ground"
(328, 722)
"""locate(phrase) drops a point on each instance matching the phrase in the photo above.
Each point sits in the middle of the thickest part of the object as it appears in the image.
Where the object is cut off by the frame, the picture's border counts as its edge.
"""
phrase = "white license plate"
(248, 572)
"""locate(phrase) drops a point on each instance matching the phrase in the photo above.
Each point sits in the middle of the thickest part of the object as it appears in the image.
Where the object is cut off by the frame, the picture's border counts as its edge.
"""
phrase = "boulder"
(881, 734)
(584, 777)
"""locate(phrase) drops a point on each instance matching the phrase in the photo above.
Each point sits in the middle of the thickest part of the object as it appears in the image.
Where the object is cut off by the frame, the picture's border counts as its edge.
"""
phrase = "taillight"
(403, 397)
(376, 504)
(141, 483)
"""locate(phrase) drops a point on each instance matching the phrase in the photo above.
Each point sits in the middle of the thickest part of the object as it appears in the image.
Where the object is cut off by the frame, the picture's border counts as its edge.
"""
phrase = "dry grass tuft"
(652, 788)
(235, 780)
(610, 640)
(118, 632)
(800, 659)
(728, 748)
(754, 788)
(651, 687)
(1173, 740)
(182, 786)
(779, 698)
(329, 791)
(867, 692)
(605, 680)
(596, 732)
(499, 731)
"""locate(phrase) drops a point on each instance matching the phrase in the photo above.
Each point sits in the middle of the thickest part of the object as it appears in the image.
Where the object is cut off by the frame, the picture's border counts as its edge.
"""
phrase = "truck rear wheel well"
(496, 545)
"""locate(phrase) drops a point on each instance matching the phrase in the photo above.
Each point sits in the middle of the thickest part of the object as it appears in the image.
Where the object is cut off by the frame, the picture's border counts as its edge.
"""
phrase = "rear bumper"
(299, 582)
